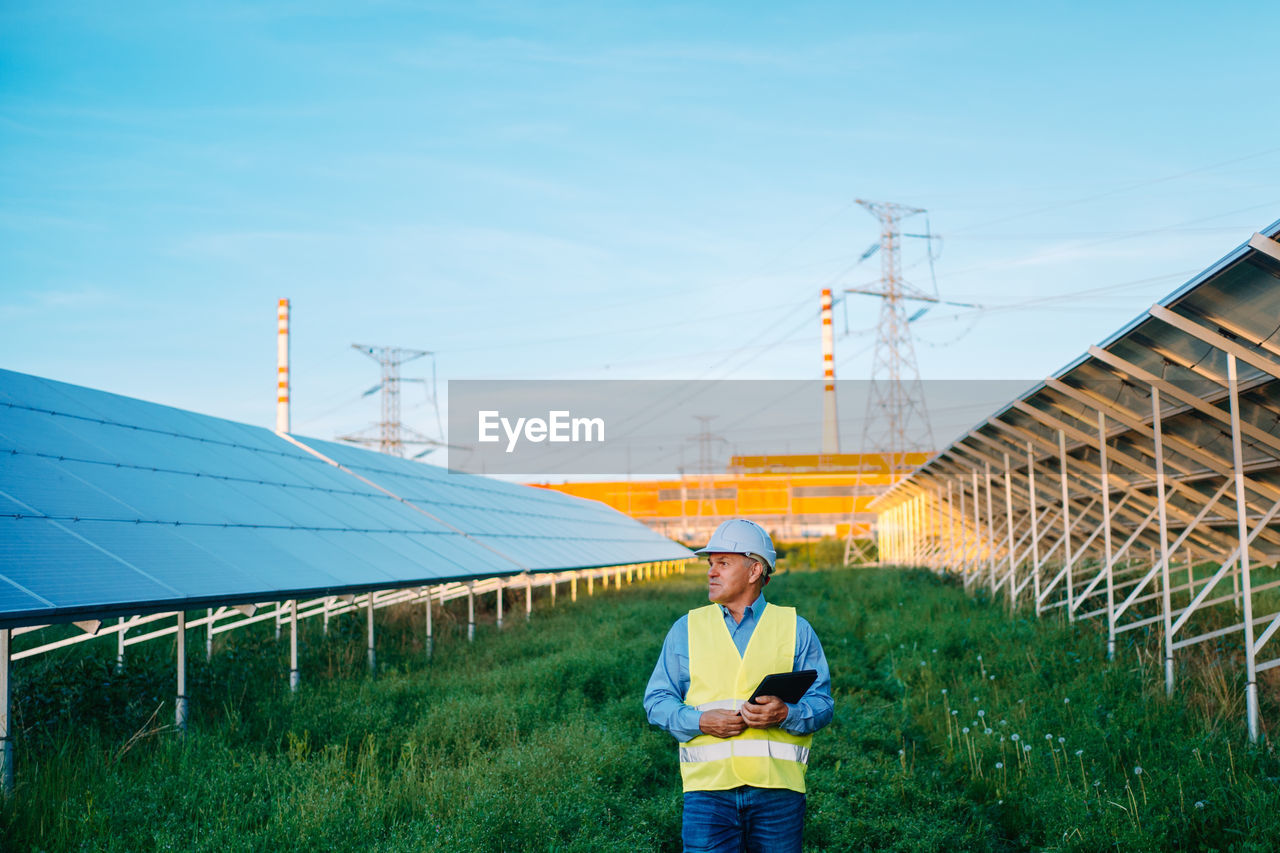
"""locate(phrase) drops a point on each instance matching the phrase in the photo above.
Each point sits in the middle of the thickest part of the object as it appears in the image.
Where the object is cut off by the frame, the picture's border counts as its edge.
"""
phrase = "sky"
(604, 190)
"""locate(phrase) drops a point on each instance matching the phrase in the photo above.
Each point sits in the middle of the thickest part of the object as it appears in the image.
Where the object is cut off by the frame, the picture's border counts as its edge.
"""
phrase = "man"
(742, 763)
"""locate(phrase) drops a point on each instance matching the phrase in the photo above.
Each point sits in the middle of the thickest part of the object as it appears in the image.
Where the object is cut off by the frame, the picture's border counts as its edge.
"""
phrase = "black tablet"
(787, 686)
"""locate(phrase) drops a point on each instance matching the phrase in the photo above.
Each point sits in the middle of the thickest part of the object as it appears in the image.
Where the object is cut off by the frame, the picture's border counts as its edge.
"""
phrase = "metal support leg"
(991, 535)
(430, 641)
(471, 612)
(591, 583)
(1242, 531)
(528, 596)
(1165, 603)
(1066, 525)
(6, 725)
(1035, 528)
(373, 660)
(295, 674)
(1008, 514)
(1109, 568)
(180, 705)
(208, 635)
(120, 646)
(917, 531)
(500, 595)
(328, 604)
(977, 528)
(951, 531)
(573, 587)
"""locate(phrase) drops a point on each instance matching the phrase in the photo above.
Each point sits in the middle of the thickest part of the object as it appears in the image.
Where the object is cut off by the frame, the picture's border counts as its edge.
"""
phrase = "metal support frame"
(991, 533)
(430, 641)
(1066, 522)
(373, 660)
(977, 529)
(1008, 509)
(1108, 558)
(217, 620)
(180, 704)
(1033, 507)
(295, 675)
(1163, 478)
(471, 611)
(1164, 542)
(1242, 532)
(951, 530)
(6, 714)
(499, 595)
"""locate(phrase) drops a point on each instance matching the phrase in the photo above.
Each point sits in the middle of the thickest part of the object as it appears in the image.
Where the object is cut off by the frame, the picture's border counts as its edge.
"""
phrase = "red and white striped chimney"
(282, 367)
(830, 427)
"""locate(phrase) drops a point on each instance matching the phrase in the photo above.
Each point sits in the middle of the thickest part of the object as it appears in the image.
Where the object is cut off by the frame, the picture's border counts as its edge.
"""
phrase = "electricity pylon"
(896, 419)
(706, 466)
(392, 436)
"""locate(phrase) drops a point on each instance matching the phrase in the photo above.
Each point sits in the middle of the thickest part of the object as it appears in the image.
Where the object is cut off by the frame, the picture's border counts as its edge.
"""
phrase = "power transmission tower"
(896, 418)
(391, 435)
(706, 483)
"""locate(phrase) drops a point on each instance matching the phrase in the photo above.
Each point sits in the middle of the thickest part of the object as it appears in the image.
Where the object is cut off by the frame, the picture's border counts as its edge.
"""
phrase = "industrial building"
(794, 496)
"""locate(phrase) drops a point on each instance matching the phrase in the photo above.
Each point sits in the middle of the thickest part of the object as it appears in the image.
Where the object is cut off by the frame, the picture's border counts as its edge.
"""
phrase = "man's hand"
(721, 723)
(769, 711)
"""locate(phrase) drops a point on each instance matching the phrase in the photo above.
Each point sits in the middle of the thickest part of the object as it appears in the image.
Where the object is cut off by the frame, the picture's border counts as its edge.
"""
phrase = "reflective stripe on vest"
(753, 748)
(718, 675)
(722, 705)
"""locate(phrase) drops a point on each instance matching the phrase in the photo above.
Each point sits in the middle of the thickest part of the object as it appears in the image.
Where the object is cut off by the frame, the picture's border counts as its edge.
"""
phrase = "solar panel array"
(1139, 485)
(113, 505)
(1180, 347)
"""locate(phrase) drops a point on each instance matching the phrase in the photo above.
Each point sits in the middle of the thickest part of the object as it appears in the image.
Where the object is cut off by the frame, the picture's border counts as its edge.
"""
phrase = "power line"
(1118, 190)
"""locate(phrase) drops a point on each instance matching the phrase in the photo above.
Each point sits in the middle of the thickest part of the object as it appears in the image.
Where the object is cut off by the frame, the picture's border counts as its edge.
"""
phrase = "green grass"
(533, 738)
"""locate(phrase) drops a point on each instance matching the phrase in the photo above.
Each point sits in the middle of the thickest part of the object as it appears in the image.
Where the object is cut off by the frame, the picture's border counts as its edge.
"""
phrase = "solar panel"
(1236, 300)
(110, 504)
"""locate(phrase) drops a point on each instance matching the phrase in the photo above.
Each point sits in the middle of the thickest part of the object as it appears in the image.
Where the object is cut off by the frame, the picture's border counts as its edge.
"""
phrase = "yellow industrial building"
(795, 497)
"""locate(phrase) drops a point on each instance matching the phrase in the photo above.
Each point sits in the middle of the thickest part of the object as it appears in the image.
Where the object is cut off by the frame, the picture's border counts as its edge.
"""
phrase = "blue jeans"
(759, 820)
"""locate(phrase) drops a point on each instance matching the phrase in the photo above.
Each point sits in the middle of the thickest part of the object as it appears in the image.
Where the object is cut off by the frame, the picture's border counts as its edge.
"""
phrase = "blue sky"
(590, 190)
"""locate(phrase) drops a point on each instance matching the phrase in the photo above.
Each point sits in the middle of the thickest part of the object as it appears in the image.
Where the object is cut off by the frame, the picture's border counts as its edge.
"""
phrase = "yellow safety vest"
(721, 678)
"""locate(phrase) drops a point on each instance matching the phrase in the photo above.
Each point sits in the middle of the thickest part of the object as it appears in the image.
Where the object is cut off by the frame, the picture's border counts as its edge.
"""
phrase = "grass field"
(956, 728)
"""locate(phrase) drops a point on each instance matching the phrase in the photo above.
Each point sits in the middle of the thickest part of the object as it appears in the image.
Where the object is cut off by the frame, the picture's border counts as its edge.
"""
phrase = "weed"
(533, 737)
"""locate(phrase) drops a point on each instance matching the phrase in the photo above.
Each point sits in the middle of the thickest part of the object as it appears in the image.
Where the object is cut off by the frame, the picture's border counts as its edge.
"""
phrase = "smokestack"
(282, 367)
(830, 429)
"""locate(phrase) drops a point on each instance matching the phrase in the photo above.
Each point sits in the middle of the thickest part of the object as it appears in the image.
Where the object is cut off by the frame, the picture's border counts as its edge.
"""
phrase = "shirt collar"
(755, 608)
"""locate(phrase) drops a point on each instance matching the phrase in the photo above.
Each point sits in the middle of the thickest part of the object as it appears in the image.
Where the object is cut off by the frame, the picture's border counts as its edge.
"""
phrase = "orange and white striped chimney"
(282, 367)
(830, 428)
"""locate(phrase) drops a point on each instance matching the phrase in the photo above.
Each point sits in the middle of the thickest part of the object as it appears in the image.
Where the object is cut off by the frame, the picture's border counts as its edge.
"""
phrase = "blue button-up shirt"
(664, 697)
